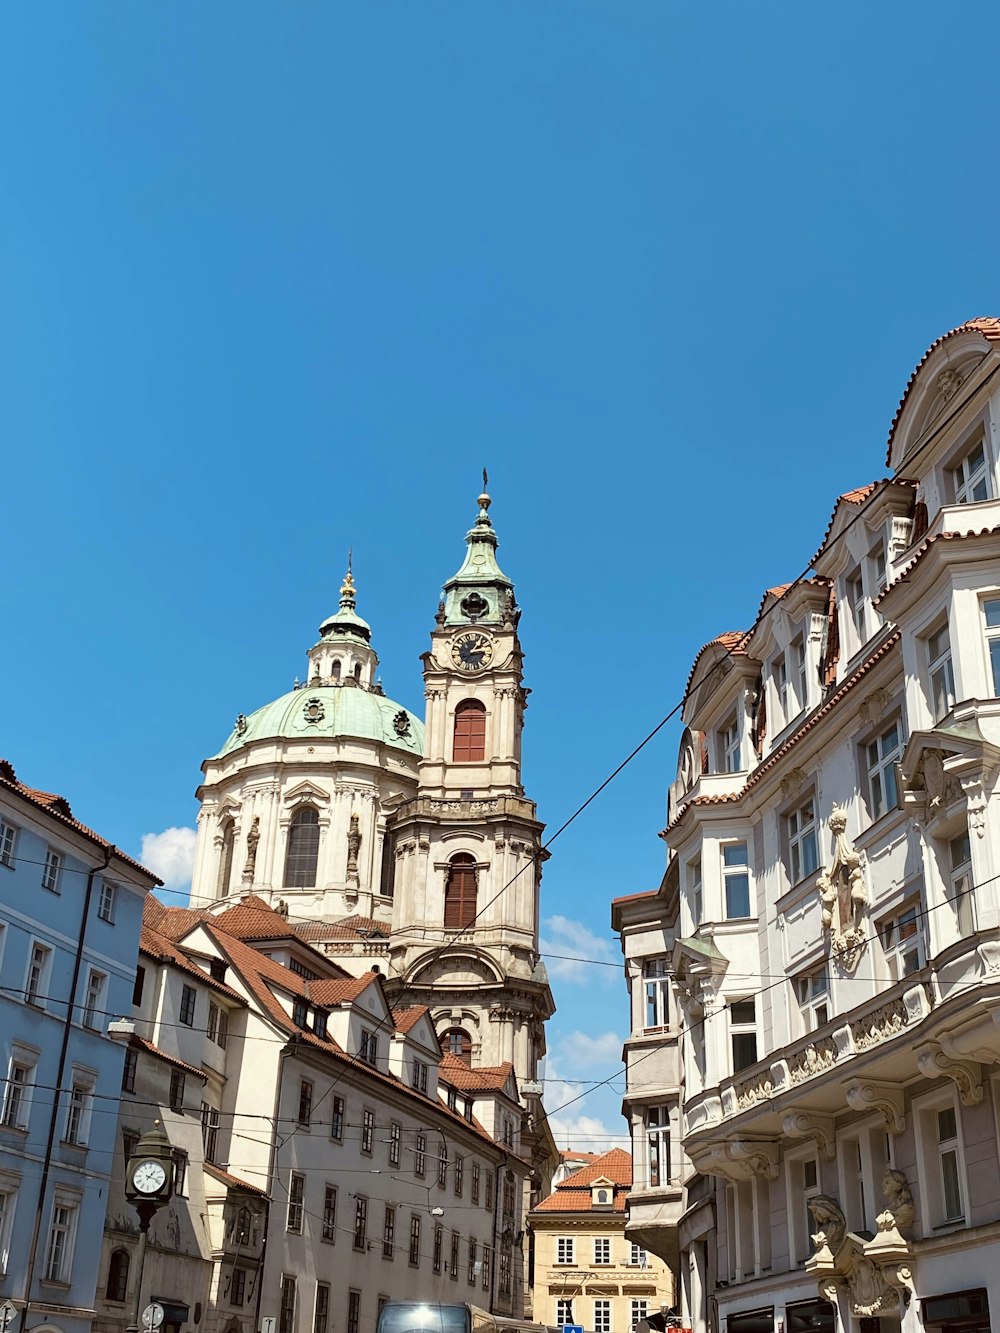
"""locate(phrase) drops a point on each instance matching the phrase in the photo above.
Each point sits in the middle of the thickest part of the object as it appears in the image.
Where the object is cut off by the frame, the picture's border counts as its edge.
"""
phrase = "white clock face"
(472, 651)
(148, 1177)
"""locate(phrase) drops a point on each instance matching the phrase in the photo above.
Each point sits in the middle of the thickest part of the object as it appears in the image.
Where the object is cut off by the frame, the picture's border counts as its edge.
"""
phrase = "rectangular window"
(420, 1156)
(360, 1222)
(238, 1286)
(877, 572)
(438, 1241)
(459, 1175)
(50, 871)
(414, 1255)
(320, 1017)
(8, 843)
(38, 975)
(639, 1310)
(58, 1252)
(8, 1199)
(991, 614)
(210, 1131)
(367, 1131)
(658, 1144)
(129, 1068)
(177, 1090)
(949, 1164)
(960, 892)
(453, 1262)
(602, 1249)
(329, 1231)
(902, 938)
(800, 832)
(106, 905)
(140, 981)
(180, 1171)
(564, 1249)
(638, 1257)
(940, 673)
(970, 479)
(304, 1114)
(602, 1316)
(419, 1076)
(286, 1310)
(882, 755)
(296, 1196)
(337, 1119)
(473, 1265)
(779, 674)
(696, 894)
(388, 1232)
(856, 601)
(801, 673)
(487, 1259)
(218, 1024)
(743, 1032)
(321, 1318)
(188, 997)
(475, 1182)
(489, 1191)
(812, 990)
(564, 1312)
(94, 999)
(736, 880)
(369, 1047)
(729, 746)
(442, 1173)
(300, 1013)
(353, 1311)
(78, 1113)
(656, 975)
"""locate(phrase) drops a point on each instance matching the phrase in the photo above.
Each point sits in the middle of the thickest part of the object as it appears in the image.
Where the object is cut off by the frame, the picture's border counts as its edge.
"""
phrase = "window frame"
(328, 1222)
(732, 872)
(337, 1118)
(963, 481)
(414, 1251)
(188, 1006)
(656, 974)
(59, 1255)
(656, 1123)
(8, 843)
(811, 988)
(880, 767)
(962, 900)
(52, 869)
(894, 929)
(97, 983)
(36, 982)
(740, 1029)
(602, 1247)
(566, 1250)
(18, 1093)
(728, 744)
(800, 834)
(367, 1131)
(939, 664)
(107, 901)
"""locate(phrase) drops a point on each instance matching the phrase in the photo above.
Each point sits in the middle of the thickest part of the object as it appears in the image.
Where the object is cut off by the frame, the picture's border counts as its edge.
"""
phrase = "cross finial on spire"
(483, 518)
(348, 592)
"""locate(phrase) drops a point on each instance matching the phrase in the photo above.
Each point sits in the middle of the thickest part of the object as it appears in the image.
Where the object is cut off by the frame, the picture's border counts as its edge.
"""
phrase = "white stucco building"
(834, 832)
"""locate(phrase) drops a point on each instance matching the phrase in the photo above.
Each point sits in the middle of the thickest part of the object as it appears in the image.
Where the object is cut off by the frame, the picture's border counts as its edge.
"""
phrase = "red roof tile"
(731, 640)
(234, 1182)
(573, 1195)
(482, 1078)
(926, 546)
(163, 949)
(339, 990)
(636, 897)
(143, 1045)
(252, 919)
(407, 1019)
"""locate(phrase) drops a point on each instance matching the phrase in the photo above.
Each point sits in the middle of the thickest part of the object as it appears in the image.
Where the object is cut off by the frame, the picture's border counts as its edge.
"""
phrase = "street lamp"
(149, 1184)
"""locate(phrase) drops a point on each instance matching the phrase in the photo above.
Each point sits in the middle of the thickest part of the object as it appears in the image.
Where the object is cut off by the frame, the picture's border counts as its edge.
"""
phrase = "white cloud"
(586, 1133)
(602, 1052)
(170, 855)
(567, 937)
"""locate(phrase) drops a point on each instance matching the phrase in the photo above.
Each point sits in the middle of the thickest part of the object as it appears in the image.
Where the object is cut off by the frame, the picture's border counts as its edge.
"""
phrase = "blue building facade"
(70, 915)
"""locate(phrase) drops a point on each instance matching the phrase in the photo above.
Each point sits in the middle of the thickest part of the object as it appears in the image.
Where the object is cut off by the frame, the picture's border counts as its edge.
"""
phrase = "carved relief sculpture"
(843, 896)
(253, 838)
(831, 1229)
(353, 847)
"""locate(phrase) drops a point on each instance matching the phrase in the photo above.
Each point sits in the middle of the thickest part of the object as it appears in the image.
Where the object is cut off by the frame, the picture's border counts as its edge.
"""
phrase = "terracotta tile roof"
(407, 1019)
(234, 1182)
(778, 592)
(857, 497)
(349, 928)
(164, 949)
(570, 1156)
(635, 897)
(482, 1078)
(573, 1195)
(58, 807)
(926, 545)
(252, 919)
(987, 325)
(811, 721)
(140, 1043)
(339, 990)
(731, 640)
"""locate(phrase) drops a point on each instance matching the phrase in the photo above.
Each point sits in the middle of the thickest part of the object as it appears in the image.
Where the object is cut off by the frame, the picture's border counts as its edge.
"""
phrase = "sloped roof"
(141, 1043)
(347, 928)
(340, 990)
(731, 640)
(253, 919)
(573, 1195)
(926, 545)
(407, 1019)
(482, 1078)
(233, 1182)
(163, 949)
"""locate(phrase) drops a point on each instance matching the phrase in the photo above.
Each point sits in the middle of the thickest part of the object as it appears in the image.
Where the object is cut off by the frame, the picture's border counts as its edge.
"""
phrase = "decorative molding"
(792, 782)
(809, 1125)
(948, 383)
(887, 1098)
(816, 1057)
(873, 708)
(965, 1074)
(888, 1020)
(760, 1088)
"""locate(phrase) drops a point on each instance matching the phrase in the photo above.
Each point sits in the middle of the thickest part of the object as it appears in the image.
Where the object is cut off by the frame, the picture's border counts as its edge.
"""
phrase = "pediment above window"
(304, 792)
(949, 771)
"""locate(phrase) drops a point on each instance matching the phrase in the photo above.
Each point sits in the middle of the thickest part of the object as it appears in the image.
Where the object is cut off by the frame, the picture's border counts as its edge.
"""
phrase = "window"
(602, 1249)
(321, 1315)
(736, 880)
(564, 1312)
(188, 998)
(877, 574)
(564, 1249)
(695, 892)
(59, 1250)
(38, 975)
(779, 674)
(78, 1112)
(92, 1011)
(367, 1130)
(353, 1311)
(803, 1185)
(991, 613)
(140, 981)
(442, 1174)
(130, 1138)
(226, 859)
(657, 987)
(128, 1069)
(8, 843)
(210, 1131)
(395, 1135)
(438, 1240)
(800, 831)
(460, 892)
(960, 884)
(218, 1024)
(180, 1171)
(800, 672)
(508, 1131)
(238, 1286)
(369, 1047)
(459, 1175)
(729, 746)
(360, 1222)
(902, 937)
(743, 1032)
(970, 479)
(639, 1311)
(487, 1257)
(940, 673)
(881, 756)
(177, 1080)
(414, 1255)
(303, 849)
(470, 733)
(329, 1231)
(452, 1100)
(475, 1182)
(419, 1155)
(638, 1257)
(658, 1144)
(938, 1134)
(812, 990)
(50, 871)
(296, 1195)
(473, 1247)
(106, 905)
(856, 600)
(243, 1227)
(286, 1309)
(337, 1119)
(453, 1262)
(117, 1284)
(388, 1232)
(457, 1042)
(419, 1076)
(304, 1114)
(602, 1316)
(467, 1109)
(489, 1192)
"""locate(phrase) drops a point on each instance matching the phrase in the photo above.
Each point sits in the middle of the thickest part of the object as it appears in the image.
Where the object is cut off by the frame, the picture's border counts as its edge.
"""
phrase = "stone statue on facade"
(353, 847)
(253, 838)
(843, 896)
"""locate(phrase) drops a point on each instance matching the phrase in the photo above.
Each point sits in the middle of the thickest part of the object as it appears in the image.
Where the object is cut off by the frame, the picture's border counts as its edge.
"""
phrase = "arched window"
(241, 1227)
(336, 668)
(470, 732)
(117, 1287)
(303, 849)
(226, 863)
(460, 892)
(456, 1041)
(357, 670)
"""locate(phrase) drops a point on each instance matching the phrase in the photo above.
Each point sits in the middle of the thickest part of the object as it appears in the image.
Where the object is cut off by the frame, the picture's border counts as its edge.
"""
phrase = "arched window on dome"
(117, 1287)
(226, 860)
(456, 1041)
(336, 668)
(470, 732)
(303, 849)
(460, 892)
(357, 670)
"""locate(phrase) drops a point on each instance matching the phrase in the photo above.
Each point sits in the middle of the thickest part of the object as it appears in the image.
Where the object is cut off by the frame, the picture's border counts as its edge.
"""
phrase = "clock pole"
(149, 1184)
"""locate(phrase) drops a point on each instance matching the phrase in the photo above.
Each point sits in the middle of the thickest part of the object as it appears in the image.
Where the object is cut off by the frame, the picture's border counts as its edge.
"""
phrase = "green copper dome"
(325, 711)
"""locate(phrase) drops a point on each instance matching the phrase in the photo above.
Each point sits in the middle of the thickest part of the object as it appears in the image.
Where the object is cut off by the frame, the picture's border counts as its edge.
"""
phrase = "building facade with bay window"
(830, 908)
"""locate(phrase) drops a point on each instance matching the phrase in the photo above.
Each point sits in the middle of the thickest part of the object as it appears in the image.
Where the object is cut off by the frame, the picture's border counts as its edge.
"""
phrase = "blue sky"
(278, 279)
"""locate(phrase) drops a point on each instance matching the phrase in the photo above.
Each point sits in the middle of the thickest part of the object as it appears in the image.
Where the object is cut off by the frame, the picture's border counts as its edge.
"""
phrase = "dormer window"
(799, 673)
(779, 674)
(602, 1195)
(369, 1047)
(729, 746)
(877, 575)
(300, 1014)
(970, 479)
(855, 586)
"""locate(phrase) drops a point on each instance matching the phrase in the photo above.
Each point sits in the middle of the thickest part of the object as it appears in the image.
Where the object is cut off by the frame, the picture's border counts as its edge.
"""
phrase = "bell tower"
(468, 847)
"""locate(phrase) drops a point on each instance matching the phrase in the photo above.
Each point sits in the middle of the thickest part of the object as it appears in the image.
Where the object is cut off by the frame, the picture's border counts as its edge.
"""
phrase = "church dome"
(326, 711)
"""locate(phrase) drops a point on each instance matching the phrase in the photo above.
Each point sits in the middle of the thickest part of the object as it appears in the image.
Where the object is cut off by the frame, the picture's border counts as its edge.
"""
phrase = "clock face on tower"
(472, 651)
(148, 1177)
